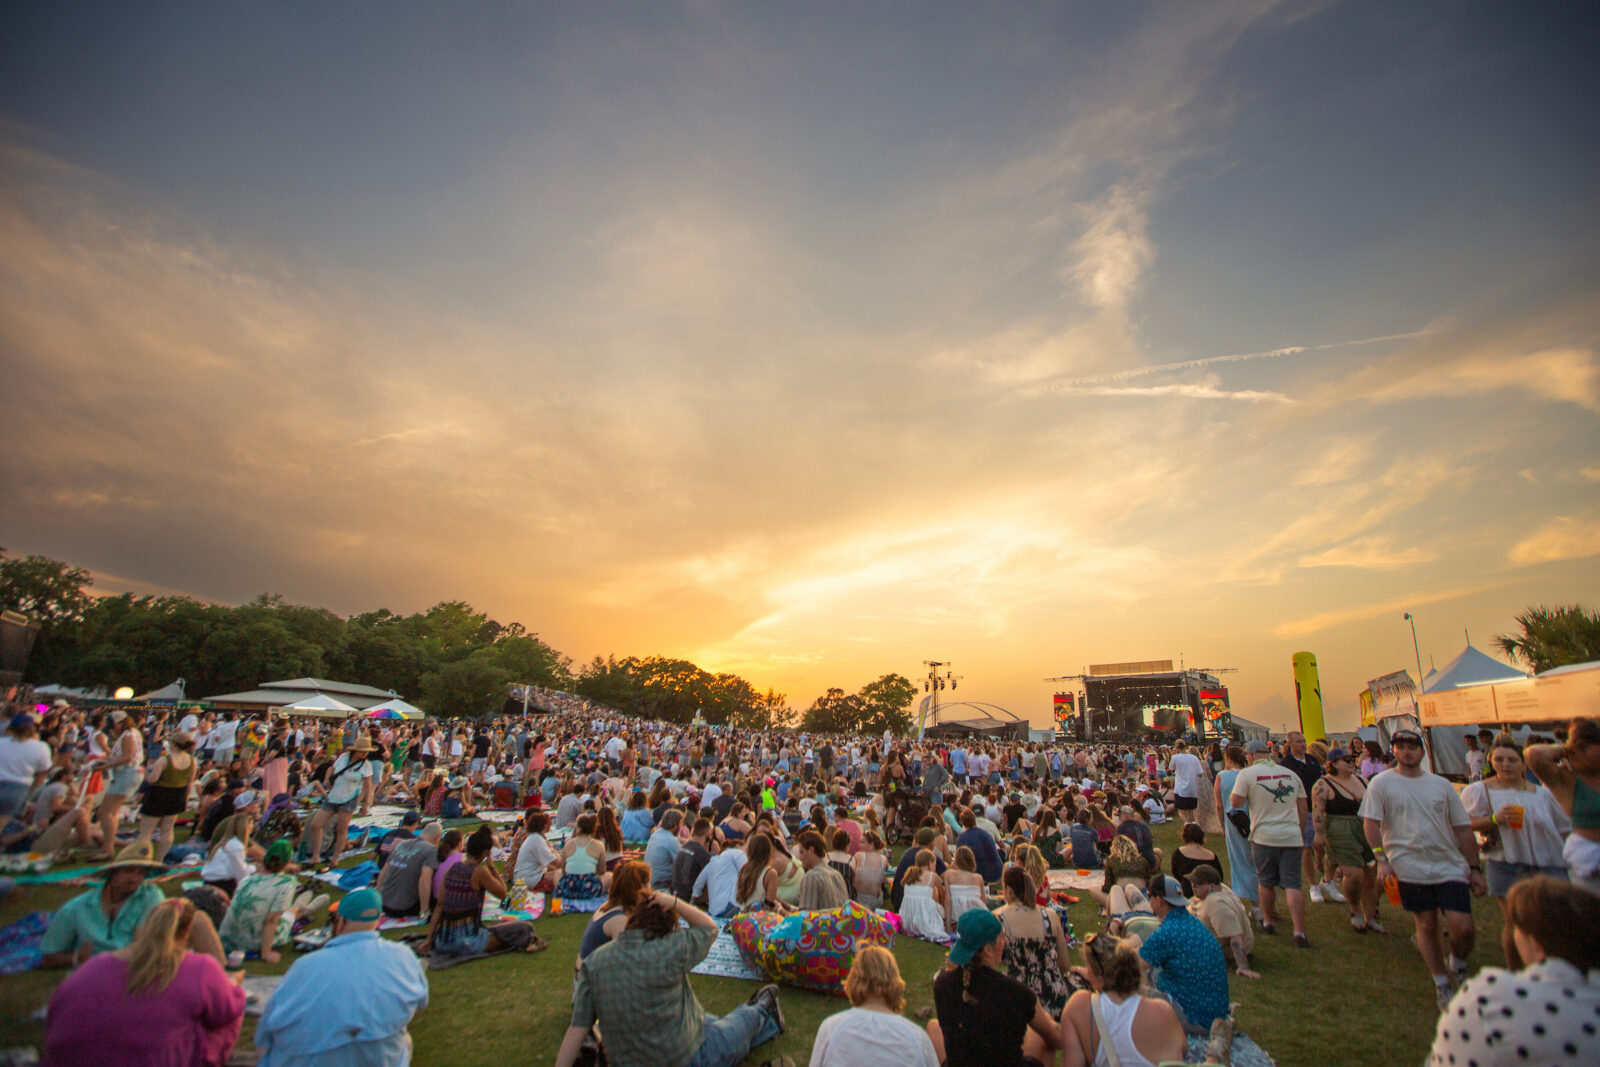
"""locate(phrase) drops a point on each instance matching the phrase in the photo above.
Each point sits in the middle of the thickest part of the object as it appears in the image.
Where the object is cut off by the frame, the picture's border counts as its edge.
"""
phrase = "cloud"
(1209, 389)
(1564, 537)
(1327, 620)
(1369, 553)
(1110, 258)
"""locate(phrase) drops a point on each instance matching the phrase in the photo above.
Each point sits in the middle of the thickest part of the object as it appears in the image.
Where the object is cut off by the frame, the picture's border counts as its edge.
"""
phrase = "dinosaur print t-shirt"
(1271, 792)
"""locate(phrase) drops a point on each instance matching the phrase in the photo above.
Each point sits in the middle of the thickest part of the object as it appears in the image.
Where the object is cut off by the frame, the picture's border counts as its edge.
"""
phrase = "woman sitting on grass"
(1036, 944)
(231, 852)
(1142, 1031)
(583, 861)
(630, 886)
(638, 820)
(870, 866)
(457, 926)
(872, 1030)
(924, 905)
(152, 1003)
(758, 880)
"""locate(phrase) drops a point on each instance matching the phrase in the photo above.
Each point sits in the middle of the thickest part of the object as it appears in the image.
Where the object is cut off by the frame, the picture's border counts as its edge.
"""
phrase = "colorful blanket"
(19, 943)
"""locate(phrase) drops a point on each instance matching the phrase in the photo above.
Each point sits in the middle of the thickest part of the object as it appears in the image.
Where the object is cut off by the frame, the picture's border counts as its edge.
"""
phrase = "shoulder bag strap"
(1103, 1031)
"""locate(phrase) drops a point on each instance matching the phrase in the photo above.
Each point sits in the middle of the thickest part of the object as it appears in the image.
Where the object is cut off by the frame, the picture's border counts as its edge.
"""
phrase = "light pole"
(1416, 651)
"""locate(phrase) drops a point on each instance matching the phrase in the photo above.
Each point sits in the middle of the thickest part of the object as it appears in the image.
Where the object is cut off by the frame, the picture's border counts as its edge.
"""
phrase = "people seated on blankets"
(638, 820)
(228, 862)
(1137, 830)
(1547, 1010)
(691, 859)
(350, 791)
(869, 866)
(456, 928)
(1036, 952)
(1187, 961)
(264, 908)
(458, 799)
(661, 852)
(630, 884)
(872, 1031)
(983, 846)
(105, 919)
(821, 887)
(55, 819)
(583, 863)
(637, 988)
(1225, 915)
(320, 1017)
(209, 816)
(1141, 1031)
(1124, 867)
(964, 885)
(985, 1018)
(922, 908)
(1085, 850)
(536, 864)
(406, 883)
(150, 1004)
(406, 831)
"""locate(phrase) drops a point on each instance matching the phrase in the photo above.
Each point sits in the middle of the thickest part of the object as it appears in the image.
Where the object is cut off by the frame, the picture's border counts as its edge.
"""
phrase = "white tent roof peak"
(1470, 668)
(320, 702)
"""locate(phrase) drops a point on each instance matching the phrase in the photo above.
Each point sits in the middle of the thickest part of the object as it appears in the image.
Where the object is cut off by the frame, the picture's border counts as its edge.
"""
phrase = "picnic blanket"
(1246, 1053)
(258, 989)
(19, 943)
(1071, 879)
(725, 960)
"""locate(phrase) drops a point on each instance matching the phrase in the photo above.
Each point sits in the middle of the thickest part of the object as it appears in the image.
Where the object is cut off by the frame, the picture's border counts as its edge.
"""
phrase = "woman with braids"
(1141, 1031)
(457, 926)
(152, 1003)
(985, 1018)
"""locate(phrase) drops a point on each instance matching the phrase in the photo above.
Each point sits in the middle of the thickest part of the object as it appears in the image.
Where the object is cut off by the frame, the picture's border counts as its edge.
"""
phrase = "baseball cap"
(1405, 737)
(1168, 889)
(975, 930)
(244, 800)
(1257, 746)
(280, 851)
(1337, 754)
(362, 906)
(410, 818)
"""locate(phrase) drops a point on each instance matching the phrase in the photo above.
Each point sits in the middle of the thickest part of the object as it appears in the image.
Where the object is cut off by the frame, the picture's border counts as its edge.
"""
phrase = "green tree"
(475, 686)
(834, 712)
(53, 593)
(886, 705)
(1554, 637)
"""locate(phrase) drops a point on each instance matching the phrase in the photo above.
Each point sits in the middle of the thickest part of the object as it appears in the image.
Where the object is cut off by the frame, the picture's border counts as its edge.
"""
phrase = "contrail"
(1238, 357)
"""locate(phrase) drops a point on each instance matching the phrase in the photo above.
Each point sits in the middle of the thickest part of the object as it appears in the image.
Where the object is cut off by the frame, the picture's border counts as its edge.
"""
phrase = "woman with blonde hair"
(152, 1003)
(921, 911)
(228, 862)
(872, 1030)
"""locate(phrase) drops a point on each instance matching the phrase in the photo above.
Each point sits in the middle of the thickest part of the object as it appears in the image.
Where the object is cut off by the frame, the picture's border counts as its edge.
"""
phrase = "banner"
(1393, 694)
(1368, 718)
(1063, 707)
(1214, 703)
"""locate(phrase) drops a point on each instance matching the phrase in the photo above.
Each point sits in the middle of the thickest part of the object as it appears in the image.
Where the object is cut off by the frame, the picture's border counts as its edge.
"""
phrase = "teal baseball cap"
(976, 928)
(362, 906)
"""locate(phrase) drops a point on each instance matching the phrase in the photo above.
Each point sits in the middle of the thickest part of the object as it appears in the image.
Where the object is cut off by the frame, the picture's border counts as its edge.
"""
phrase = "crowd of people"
(660, 830)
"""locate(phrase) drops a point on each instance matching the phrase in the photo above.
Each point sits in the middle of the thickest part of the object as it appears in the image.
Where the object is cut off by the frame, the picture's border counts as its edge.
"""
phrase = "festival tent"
(167, 694)
(1468, 669)
(394, 709)
(320, 706)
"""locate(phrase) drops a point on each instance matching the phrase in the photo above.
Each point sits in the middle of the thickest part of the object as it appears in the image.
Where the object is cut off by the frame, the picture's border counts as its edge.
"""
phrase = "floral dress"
(1032, 961)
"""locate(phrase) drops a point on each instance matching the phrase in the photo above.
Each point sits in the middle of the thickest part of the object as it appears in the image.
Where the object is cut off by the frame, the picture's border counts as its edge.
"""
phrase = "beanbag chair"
(809, 949)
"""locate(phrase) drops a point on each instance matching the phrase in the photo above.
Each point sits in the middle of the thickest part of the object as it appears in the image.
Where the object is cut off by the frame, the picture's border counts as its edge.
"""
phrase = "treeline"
(450, 659)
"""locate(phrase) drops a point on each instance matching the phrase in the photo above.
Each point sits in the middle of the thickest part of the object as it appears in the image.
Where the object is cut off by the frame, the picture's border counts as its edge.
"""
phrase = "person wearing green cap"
(265, 907)
(985, 1018)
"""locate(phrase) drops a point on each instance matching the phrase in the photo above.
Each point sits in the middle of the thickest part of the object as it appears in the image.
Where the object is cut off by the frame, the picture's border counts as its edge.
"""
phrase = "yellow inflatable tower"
(1308, 695)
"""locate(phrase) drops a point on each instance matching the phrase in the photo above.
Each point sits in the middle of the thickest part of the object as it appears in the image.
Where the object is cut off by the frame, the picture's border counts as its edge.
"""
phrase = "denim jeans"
(728, 1039)
(14, 797)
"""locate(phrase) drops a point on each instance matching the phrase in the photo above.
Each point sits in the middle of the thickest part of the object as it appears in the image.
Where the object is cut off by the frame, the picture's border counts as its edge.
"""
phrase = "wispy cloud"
(1327, 620)
(1562, 538)
(1370, 553)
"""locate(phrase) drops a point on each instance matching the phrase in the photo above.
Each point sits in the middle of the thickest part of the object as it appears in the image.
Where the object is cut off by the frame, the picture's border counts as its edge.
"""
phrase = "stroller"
(905, 811)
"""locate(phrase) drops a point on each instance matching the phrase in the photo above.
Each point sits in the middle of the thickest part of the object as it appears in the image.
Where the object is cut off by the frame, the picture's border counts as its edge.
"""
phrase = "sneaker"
(1377, 927)
(1358, 923)
(1458, 971)
(1302, 941)
(1331, 892)
(1443, 995)
(766, 998)
(1316, 894)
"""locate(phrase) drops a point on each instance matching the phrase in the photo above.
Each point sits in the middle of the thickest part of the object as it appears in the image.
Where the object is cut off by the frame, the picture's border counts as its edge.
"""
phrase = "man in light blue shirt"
(720, 880)
(662, 850)
(958, 764)
(348, 1004)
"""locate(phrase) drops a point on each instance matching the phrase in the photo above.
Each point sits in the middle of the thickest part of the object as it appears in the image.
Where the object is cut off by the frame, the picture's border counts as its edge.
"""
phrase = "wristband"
(1492, 820)
(1378, 851)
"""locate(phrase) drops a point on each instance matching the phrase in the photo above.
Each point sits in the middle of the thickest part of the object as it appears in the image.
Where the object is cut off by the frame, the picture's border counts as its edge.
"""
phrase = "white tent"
(406, 711)
(167, 694)
(1470, 668)
(319, 706)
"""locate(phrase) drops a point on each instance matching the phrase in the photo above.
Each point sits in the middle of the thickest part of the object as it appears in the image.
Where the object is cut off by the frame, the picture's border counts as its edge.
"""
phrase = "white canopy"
(406, 711)
(170, 693)
(317, 706)
(1470, 668)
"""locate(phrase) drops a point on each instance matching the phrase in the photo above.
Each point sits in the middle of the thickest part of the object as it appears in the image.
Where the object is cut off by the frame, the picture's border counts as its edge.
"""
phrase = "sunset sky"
(811, 341)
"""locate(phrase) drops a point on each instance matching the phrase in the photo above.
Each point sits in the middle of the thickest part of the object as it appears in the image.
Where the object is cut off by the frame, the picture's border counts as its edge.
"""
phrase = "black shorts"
(1436, 896)
(1186, 803)
(430, 762)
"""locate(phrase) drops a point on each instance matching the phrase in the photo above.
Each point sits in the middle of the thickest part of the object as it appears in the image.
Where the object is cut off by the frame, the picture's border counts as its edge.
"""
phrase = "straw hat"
(363, 744)
(135, 855)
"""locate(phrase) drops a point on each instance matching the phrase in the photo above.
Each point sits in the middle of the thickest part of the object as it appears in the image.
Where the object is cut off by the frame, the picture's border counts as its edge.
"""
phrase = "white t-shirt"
(1271, 793)
(189, 722)
(223, 736)
(1544, 825)
(1185, 774)
(861, 1037)
(1419, 816)
(534, 858)
(345, 780)
(228, 862)
(22, 758)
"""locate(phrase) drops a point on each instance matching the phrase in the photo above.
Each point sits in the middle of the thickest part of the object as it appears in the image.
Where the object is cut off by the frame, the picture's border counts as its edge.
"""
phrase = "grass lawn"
(1351, 999)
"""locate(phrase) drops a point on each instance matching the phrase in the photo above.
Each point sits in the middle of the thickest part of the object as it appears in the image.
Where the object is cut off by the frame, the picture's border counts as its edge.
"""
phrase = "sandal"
(1358, 923)
(1376, 927)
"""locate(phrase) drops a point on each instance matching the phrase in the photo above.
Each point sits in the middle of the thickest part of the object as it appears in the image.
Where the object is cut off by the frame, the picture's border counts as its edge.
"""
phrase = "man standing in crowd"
(1277, 802)
(1309, 769)
(1422, 835)
(637, 989)
(1475, 758)
(350, 1002)
(1186, 775)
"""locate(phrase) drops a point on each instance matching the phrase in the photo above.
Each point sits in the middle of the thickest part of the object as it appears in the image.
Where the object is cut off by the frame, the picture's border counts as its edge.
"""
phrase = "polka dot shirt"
(1548, 1013)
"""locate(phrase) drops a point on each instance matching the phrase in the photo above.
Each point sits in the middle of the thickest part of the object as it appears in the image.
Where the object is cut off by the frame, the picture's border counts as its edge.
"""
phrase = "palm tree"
(1554, 637)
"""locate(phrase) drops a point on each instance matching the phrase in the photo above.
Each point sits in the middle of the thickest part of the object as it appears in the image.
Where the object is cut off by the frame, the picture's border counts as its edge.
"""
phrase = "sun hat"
(975, 930)
(363, 744)
(118, 716)
(361, 906)
(244, 800)
(279, 851)
(456, 782)
(1168, 889)
(136, 854)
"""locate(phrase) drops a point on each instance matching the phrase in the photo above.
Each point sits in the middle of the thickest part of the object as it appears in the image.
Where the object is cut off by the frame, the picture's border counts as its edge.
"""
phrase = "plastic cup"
(235, 960)
(1514, 816)
(1391, 887)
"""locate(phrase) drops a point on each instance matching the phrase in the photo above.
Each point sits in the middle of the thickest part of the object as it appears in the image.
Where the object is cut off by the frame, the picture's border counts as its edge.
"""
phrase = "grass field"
(1351, 999)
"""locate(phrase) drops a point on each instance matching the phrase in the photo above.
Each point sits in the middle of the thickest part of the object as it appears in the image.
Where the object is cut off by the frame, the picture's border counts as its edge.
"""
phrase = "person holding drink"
(1521, 825)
